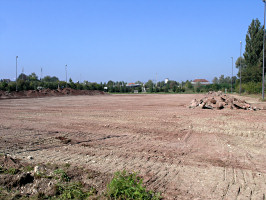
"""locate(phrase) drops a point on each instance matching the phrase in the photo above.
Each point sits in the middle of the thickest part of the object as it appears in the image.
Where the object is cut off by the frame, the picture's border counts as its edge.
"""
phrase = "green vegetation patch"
(72, 191)
(62, 175)
(10, 170)
(126, 185)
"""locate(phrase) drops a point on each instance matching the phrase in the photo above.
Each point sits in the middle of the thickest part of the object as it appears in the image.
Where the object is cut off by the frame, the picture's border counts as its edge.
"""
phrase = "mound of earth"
(47, 93)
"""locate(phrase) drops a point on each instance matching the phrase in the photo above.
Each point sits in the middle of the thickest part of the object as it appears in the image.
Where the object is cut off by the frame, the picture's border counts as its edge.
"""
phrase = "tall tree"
(33, 77)
(215, 80)
(221, 79)
(253, 53)
(149, 84)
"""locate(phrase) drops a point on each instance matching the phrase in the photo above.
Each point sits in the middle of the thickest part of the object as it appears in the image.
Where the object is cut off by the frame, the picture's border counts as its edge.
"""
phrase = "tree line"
(32, 82)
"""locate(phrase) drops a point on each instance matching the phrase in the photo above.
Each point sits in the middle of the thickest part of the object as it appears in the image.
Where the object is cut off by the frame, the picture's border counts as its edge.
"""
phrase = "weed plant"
(126, 185)
(63, 175)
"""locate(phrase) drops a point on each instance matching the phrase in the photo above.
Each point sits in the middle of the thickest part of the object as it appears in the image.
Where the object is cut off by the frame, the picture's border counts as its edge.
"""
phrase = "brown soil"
(183, 153)
(20, 179)
(47, 93)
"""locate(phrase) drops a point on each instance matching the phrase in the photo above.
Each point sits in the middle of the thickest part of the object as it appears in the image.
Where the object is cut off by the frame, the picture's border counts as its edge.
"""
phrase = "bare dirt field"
(183, 153)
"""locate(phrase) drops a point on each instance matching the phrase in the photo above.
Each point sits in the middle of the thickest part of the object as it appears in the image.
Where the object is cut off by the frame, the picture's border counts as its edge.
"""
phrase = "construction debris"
(218, 100)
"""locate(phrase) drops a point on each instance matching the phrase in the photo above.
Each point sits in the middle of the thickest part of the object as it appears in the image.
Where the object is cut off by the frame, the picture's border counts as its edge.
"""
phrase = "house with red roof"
(133, 85)
(200, 81)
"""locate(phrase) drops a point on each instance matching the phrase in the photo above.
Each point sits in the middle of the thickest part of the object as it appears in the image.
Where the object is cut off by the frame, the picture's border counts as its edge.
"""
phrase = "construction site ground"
(182, 153)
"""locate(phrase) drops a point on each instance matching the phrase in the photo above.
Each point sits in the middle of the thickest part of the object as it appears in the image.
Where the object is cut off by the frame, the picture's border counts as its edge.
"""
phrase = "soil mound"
(47, 93)
(218, 100)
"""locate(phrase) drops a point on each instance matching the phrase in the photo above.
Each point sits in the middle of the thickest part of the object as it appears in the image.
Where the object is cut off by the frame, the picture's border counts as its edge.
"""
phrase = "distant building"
(166, 80)
(133, 85)
(200, 81)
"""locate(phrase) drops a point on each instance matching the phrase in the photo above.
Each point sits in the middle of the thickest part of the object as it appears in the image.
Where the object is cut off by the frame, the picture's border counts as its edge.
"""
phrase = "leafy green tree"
(253, 53)
(215, 80)
(23, 76)
(110, 83)
(72, 84)
(139, 82)
(3, 85)
(172, 84)
(234, 78)
(166, 88)
(243, 62)
(50, 79)
(188, 85)
(149, 85)
(33, 77)
(221, 79)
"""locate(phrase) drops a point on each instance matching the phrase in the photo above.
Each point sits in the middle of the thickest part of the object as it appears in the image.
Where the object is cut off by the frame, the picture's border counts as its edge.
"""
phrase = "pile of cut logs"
(218, 100)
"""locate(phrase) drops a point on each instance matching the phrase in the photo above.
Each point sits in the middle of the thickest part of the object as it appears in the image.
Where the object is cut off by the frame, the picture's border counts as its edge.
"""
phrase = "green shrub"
(63, 175)
(126, 185)
(252, 87)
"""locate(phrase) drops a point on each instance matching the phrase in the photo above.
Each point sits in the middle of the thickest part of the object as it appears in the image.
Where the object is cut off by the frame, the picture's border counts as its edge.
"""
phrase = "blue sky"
(124, 40)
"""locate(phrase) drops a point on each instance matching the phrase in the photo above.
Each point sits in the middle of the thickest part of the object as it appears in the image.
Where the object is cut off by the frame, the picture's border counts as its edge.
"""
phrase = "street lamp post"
(66, 76)
(232, 75)
(263, 52)
(240, 68)
(16, 73)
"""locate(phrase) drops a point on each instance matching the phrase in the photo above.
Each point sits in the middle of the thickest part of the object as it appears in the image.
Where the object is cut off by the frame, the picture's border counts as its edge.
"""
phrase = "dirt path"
(184, 153)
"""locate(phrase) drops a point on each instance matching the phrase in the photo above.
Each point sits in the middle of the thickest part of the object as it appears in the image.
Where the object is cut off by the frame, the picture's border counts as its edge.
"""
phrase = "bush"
(128, 186)
(250, 88)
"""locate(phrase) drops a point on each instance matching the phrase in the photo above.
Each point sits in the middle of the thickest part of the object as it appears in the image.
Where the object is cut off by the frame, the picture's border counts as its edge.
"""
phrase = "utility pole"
(16, 73)
(66, 76)
(156, 80)
(232, 75)
(240, 68)
(41, 73)
(263, 79)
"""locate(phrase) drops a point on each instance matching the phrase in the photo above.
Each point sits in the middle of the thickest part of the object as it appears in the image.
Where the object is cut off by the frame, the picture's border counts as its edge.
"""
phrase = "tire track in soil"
(241, 186)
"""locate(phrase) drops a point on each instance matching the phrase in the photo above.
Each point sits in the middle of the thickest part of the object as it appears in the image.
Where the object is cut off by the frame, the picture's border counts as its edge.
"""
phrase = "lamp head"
(264, 1)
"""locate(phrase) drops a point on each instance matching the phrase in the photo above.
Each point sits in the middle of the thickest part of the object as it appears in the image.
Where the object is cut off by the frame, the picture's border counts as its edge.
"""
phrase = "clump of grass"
(126, 185)
(63, 175)
(72, 191)
(10, 170)
(28, 168)
(67, 165)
